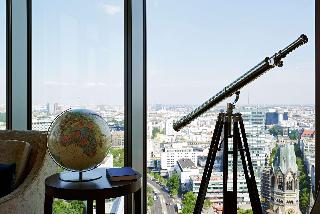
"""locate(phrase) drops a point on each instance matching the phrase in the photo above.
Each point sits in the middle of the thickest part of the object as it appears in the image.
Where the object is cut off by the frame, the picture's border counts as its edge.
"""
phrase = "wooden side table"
(98, 190)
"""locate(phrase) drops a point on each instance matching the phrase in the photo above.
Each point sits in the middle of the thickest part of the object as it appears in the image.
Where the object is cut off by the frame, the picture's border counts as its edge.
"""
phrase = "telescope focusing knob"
(280, 64)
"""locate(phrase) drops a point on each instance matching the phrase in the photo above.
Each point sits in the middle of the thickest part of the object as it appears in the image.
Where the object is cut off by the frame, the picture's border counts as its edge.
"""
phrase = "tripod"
(224, 122)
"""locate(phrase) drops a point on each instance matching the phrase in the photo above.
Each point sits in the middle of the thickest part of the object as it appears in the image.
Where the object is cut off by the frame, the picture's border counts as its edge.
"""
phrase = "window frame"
(129, 12)
(8, 64)
(317, 93)
(134, 15)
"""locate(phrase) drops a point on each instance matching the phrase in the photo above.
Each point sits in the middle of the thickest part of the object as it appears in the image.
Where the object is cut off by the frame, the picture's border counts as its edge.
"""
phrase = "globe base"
(80, 176)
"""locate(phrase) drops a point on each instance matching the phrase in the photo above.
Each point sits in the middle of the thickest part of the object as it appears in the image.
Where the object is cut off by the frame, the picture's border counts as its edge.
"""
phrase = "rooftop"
(308, 133)
(186, 163)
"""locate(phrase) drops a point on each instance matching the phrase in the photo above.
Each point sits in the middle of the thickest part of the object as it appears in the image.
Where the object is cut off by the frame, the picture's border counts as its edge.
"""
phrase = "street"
(163, 198)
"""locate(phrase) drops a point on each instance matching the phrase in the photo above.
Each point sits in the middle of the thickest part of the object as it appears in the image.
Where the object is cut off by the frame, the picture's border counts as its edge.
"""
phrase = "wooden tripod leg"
(209, 164)
(226, 194)
(236, 140)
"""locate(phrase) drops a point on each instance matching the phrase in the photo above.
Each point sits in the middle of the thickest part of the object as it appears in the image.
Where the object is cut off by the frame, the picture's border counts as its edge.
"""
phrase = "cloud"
(111, 9)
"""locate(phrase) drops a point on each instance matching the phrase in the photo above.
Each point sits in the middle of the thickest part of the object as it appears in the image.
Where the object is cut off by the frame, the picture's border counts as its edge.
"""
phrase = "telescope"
(246, 78)
(230, 125)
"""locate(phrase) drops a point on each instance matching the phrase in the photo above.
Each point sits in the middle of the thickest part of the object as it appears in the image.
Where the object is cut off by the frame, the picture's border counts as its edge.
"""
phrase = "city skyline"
(268, 131)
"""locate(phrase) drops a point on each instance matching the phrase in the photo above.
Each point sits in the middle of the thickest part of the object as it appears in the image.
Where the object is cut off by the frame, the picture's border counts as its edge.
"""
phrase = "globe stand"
(80, 176)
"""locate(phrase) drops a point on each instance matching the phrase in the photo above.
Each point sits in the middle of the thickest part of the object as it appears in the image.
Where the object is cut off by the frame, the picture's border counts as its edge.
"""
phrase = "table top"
(100, 188)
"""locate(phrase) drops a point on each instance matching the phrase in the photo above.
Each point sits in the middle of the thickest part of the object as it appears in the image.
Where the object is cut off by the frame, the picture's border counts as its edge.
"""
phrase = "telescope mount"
(230, 125)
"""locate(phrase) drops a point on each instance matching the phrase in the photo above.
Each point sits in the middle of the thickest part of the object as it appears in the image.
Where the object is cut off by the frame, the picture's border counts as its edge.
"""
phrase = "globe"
(78, 139)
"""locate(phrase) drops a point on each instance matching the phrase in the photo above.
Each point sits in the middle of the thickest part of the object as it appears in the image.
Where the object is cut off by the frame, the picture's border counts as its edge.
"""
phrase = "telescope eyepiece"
(304, 38)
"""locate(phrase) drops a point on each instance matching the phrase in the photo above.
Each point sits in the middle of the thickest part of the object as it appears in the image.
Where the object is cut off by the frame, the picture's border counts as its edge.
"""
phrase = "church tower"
(284, 182)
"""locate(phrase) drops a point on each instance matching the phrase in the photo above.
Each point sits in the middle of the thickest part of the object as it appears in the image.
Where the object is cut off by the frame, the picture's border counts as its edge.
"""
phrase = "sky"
(194, 49)
(78, 52)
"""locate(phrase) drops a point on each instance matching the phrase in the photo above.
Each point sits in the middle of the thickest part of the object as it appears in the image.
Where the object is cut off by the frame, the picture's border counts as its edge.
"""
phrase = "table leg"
(48, 200)
(89, 206)
(137, 202)
(100, 206)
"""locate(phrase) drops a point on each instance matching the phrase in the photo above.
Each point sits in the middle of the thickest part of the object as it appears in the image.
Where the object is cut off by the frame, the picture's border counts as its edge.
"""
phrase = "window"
(289, 184)
(280, 182)
(194, 50)
(115, 33)
(2, 64)
(78, 62)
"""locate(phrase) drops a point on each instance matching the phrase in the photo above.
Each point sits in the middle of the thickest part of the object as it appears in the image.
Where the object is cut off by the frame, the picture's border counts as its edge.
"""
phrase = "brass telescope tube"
(246, 78)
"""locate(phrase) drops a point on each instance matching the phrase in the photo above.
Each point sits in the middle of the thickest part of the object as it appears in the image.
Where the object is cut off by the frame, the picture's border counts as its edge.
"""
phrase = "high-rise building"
(254, 121)
(171, 153)
(57, 108)
(48, 108)
(272, 118)
(265, 186)
(186, 168)
(285, 116)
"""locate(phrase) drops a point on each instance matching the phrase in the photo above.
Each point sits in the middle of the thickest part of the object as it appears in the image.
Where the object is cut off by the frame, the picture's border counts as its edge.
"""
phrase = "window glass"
(78, 50)
(194, 51)
(3, 64)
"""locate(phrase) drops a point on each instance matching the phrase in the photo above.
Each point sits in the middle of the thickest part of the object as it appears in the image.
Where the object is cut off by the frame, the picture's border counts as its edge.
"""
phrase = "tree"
(150, 199)
(155, 132)
(157, 176)
(276, 130)
(304, 181)
(173, 184)
(294, 135)
(70, 207)
(273, 154)
(242, 211)
(163, 181)
(207, 203)
(304, 199)
(149, 189)
(189, 201)
(118, 157)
